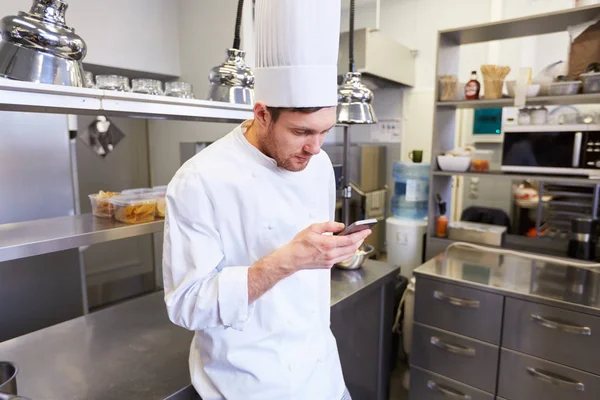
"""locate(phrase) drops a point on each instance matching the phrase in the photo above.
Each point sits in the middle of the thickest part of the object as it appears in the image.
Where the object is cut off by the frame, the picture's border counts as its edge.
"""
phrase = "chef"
(248, 241)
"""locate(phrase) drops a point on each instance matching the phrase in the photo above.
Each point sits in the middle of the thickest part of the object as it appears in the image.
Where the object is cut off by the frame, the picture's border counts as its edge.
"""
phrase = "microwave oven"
(552, 149)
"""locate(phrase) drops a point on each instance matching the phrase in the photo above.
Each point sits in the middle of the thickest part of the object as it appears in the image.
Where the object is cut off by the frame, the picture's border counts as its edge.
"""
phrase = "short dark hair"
(276, 111)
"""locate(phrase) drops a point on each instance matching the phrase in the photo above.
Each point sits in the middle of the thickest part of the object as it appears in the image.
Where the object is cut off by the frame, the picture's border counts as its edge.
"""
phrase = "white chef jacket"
(228, 207)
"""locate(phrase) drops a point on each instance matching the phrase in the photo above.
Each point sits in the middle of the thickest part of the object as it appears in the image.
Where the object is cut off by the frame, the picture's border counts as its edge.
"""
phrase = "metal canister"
(582, 244)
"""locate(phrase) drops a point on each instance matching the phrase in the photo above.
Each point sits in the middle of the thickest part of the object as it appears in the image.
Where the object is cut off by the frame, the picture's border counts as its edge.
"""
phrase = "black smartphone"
(358, 226)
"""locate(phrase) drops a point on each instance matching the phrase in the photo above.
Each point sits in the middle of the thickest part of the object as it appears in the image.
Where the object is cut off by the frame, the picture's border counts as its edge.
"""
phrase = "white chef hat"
(297, 45)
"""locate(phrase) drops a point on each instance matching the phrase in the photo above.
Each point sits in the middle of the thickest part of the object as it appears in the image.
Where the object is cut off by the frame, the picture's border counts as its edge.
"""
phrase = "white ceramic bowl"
(454, 164)
(532, 90)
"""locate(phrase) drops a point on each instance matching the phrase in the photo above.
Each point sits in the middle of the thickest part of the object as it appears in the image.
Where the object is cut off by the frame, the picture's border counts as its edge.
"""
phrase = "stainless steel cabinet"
(562, 336)
(430, 386)
(469, 312)
(457, 357)
(524, 377)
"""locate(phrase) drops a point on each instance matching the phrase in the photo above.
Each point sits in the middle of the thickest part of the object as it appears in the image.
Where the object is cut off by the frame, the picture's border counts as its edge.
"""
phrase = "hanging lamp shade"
(354, 98)
(38, 46)
(233, 81)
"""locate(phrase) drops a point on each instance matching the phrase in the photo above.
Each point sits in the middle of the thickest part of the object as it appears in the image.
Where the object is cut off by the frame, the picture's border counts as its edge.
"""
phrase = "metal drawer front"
(469, 361)
(425, 385)
(524, 377)
(469, 312)
(555, 334)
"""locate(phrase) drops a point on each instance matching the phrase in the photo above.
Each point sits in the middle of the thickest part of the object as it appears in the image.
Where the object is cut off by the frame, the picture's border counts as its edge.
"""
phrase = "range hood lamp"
(233, 81)
(354, 98)
(38, 46)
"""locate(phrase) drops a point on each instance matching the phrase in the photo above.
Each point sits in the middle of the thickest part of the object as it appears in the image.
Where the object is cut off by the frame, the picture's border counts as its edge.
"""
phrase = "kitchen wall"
(132, 34)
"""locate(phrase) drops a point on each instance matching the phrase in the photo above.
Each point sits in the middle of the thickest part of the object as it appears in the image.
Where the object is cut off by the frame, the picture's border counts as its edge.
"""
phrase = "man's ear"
(262, 116)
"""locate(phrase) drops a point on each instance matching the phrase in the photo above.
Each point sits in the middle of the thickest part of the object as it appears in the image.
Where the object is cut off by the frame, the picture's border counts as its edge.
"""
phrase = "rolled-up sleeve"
(200, 292)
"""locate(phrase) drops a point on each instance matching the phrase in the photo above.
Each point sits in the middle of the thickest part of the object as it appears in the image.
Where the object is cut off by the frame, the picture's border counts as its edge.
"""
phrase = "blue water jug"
(411, 191)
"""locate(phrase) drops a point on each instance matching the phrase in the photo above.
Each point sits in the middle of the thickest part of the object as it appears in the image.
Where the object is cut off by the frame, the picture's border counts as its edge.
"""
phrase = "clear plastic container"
(411, 190)
(179, 89)
(591, 82)
(137, 191)
(101, 206)
(146, 86)
(161, 202)
(113, 82)
(564, 88)
(481, 160)
(162, 188)
(88, 80)
(134, 209)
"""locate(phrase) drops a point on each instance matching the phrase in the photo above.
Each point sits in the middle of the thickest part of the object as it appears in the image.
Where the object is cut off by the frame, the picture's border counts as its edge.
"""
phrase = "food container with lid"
(564, 88)
(481, 160)
(146, 86)
(113, 82)
(134, 209)
(101, 206)
(161, 202)
(591, 82)
(137, 191)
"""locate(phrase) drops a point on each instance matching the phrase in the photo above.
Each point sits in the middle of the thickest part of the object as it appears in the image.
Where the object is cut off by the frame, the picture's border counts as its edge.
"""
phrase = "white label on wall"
(416, 190)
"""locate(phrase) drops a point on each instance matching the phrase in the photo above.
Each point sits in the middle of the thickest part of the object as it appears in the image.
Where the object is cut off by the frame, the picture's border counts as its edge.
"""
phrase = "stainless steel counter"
(550, 283)
(132, 351)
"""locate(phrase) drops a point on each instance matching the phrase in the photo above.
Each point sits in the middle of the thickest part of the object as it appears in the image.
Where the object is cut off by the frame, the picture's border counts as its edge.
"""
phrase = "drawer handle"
(452, 348)
(555, 379)
(447, 391)
(455, 301)
(560, 325)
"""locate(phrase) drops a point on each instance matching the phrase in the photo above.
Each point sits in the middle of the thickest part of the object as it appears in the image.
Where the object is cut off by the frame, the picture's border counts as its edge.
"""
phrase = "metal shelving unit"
(445, 118)
(32, 238)
(36, 97)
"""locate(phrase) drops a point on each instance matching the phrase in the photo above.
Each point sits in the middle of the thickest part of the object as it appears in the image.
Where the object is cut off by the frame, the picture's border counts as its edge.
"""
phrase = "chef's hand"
(311, 248)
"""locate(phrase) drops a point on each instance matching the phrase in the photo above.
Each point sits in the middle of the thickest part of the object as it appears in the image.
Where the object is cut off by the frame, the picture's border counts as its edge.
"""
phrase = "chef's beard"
(270, 146)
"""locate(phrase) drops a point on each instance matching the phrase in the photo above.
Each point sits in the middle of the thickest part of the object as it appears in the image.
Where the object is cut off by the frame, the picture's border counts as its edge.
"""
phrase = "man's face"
(296, 137)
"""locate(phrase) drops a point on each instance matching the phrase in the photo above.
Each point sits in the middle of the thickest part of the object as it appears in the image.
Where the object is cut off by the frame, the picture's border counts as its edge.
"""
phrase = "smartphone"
(358, 226)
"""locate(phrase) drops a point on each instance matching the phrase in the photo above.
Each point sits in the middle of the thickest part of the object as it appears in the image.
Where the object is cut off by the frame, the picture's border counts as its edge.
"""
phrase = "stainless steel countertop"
(131, 351)
(555, 284)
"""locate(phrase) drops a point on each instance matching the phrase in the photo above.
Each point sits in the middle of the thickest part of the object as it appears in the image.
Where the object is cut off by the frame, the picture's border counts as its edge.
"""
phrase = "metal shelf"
(590, 98)
(37, 97)
(32, 238)
(540, 24)
(555, 247)
(545, 178)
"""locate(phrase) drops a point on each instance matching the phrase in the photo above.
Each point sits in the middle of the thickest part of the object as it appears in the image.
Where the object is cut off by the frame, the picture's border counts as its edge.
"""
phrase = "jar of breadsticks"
(493, 80)
(448, 87)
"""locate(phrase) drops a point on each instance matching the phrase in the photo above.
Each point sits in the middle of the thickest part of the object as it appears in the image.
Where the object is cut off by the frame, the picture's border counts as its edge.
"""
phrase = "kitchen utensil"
(38, 46)
(146, 86)
(524, 117)
(454, 164)
(182, 90)
(582, 244)
(564, 88)
(358, 258)
(448, 87)
(532, 90)
(416, 156)
(232, 81)
(113, 82)
(539, 116)
(493, 80)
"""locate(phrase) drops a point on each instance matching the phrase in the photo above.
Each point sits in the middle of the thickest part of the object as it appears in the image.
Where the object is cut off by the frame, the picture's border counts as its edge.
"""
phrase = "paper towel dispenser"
(382, 61)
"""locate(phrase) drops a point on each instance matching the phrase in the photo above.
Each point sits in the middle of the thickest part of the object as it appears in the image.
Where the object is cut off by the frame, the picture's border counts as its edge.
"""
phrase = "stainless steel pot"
(8, 381)
(38, 46)
(358, 258)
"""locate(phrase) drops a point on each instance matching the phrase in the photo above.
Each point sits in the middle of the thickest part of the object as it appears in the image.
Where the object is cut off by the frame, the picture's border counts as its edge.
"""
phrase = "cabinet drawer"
(469, 361)
(425, 385)
(555, 334)
(524, 377)
(469, 312)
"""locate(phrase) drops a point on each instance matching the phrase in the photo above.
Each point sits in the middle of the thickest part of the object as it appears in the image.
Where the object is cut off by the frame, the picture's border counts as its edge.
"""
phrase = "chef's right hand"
(312, 249)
